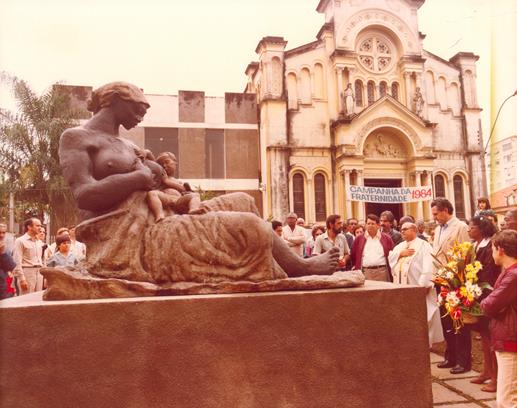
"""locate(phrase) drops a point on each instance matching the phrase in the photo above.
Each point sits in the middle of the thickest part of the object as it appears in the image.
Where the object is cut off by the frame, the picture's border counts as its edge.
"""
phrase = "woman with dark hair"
(483, 205)
(481, 230)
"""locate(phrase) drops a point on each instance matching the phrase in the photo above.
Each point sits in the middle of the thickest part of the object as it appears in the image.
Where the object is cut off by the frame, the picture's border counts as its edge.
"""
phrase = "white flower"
(449, 275)
(452, 299)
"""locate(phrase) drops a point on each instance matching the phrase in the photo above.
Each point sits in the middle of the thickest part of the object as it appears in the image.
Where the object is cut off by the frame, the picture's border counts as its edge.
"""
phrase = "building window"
(395, 90)
(320, 197)
(214, 153)
(299, 195)
(458, 197)
(371, 92)
(383, 89)
(375, 54)
(159, 140)
(439, 186)
(507, 146)
(358, 93)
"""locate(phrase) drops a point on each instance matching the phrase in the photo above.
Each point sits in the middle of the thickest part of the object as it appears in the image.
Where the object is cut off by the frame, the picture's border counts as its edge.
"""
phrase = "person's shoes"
(480, 379)
(490, 387)
(445, 364)
(457, 369)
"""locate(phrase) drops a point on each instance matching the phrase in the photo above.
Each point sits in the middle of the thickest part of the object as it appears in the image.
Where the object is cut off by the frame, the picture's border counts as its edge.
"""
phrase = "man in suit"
(370, 251)
(449, 231)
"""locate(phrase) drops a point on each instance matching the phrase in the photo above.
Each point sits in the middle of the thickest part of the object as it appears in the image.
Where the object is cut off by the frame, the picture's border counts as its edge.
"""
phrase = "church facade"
(365, 104)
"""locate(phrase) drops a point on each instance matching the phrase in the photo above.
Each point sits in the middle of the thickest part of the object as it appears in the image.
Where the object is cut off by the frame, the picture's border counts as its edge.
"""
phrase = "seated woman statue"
(110, 177)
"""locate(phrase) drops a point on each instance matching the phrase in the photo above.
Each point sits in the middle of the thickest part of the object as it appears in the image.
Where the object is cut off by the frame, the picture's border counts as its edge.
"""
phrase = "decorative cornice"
(463, 55)
(252, 68)
(270, 40)
(327, 27)
(322, 5)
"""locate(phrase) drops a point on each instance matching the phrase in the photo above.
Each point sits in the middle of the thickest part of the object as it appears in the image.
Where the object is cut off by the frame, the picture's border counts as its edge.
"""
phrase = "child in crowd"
(483, 205)
(63, 256)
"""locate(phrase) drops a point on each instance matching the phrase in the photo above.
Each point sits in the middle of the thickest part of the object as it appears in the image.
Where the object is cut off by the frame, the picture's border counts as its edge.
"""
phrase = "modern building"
(365, 104)
(503, 158)
(503, 174)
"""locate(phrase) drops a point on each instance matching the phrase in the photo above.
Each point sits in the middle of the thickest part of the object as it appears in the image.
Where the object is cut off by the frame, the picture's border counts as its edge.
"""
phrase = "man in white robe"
(411, 263)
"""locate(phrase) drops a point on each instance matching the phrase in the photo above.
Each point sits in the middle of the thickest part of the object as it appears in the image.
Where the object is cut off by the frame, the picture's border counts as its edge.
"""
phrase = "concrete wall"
(327, 348)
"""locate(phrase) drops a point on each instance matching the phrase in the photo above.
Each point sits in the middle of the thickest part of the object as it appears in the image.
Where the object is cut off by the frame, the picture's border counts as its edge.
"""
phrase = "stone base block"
(354, 347)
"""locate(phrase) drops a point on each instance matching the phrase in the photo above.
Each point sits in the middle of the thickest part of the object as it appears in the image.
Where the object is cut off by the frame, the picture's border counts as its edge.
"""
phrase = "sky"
(167, 45)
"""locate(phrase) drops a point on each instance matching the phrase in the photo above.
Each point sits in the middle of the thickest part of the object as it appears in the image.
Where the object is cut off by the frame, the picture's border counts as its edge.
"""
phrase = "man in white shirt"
(27, 254)
(370, 251)
(333, 238)
(411, 263)
(294, 235)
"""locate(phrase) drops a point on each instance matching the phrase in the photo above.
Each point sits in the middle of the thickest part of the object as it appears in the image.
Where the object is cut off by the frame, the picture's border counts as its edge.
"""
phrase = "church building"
(365, 105)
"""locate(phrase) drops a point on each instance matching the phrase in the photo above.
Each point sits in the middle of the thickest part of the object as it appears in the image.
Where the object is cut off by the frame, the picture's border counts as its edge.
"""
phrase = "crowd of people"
(404, 252)
(22, 258)
(384, 249)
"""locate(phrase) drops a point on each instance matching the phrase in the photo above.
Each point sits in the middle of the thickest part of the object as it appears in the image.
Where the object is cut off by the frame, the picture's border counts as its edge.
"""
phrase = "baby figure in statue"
(175, 194)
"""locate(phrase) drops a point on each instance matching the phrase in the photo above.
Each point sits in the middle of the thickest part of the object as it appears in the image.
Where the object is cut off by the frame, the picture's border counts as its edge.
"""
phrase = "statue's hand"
(146, 175)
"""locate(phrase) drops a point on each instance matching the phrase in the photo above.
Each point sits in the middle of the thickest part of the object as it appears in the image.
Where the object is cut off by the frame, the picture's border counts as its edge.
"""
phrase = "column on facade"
(348, 203)
(310, 204)
(466, 199)
(339, 72)
(360, 204)
(428, 182)
(407, 82)
(419, 204)
(450, 188)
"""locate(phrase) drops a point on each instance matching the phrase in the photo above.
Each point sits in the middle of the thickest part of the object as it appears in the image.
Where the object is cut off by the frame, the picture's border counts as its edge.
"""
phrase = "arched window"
(319, 79)
(292, 91)
(442, 93)
(371, 92)
(383, 89)
(458, 197)
(395, 90)
(320, 198)
(299, 195)
(305, 85)
(439, 186)
(276, 81)
(358, 92)
(429, 86)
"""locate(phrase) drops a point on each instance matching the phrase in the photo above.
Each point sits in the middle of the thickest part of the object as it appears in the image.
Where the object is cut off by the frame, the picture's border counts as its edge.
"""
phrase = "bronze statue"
(111, 179)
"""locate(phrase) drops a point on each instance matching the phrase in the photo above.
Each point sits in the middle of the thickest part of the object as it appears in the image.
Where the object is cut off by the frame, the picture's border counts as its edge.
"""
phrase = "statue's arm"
(92, 194)
(171, 182)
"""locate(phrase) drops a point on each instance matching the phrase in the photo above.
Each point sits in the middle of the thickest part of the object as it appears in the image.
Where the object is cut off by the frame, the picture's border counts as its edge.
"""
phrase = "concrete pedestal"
(357, 347)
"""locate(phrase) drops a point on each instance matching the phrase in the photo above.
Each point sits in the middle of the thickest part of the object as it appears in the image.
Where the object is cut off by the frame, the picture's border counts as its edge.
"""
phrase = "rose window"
(375, 54)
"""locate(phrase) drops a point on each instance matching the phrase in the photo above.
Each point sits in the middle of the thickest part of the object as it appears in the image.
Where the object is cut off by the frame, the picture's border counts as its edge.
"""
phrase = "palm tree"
(29, 163)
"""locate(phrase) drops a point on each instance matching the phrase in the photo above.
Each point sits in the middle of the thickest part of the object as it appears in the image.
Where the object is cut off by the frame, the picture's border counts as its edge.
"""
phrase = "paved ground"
(451, 390)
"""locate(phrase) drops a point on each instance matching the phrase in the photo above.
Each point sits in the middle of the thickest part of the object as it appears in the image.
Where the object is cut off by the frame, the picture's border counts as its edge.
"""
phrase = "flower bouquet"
(458, 281)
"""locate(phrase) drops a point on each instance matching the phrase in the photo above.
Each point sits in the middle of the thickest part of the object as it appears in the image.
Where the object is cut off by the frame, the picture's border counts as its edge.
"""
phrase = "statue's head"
(132, 97)
(168, 161)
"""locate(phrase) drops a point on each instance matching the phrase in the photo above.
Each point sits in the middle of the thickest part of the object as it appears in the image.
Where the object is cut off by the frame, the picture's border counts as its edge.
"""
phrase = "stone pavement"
(455, 390)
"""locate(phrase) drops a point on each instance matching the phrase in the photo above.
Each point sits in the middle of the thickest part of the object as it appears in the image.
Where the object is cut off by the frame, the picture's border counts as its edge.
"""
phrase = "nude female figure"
(104, 169)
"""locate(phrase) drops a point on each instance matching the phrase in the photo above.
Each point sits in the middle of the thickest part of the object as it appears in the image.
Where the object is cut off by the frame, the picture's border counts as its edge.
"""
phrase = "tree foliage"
(29, 163)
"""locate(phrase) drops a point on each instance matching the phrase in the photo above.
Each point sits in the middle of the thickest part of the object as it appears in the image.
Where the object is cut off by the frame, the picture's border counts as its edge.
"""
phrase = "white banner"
(389, 195)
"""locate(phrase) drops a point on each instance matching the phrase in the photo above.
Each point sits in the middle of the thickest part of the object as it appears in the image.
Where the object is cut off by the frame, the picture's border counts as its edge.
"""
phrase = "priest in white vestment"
(411, 263)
